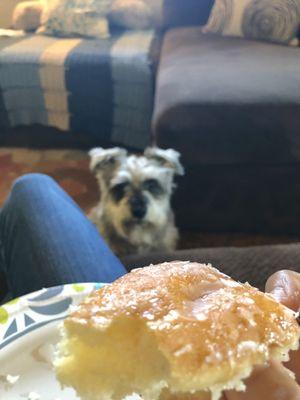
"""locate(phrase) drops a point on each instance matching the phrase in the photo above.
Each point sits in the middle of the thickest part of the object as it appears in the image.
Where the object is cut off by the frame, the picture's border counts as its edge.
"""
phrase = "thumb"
(285, 287)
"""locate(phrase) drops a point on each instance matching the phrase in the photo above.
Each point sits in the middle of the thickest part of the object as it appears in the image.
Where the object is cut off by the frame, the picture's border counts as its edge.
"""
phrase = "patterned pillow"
(69, 18)
(277, 21)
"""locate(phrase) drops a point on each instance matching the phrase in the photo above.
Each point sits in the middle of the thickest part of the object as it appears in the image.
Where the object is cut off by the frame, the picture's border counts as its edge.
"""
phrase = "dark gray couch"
(232, 107)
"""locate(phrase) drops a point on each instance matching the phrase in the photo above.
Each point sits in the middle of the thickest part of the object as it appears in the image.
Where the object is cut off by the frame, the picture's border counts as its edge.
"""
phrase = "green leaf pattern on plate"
(3, 316)
(14, 301)
(25, 314)
(78, 288)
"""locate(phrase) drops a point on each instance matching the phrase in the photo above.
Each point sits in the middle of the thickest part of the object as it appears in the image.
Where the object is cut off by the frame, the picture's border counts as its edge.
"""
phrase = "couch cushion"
(185, 13)
(256, 198)
(103, 88)
(227, 100)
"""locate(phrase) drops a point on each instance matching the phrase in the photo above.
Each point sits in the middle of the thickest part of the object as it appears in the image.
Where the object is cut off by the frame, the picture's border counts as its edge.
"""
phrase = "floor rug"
(70, 168)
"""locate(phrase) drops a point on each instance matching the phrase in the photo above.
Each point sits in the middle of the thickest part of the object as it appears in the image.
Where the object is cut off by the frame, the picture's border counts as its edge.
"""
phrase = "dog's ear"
(106, 159)
(166, 158)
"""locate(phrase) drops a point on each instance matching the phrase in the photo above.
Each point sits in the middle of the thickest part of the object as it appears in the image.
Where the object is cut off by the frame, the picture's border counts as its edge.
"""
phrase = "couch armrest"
(7, 8)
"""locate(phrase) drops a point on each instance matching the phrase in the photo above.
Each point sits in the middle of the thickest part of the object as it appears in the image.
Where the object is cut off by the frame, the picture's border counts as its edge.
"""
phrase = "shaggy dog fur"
(134, 214)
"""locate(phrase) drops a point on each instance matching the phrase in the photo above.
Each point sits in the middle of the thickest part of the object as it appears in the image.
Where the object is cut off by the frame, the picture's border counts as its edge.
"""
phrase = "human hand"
(275, 382)
(285, 286)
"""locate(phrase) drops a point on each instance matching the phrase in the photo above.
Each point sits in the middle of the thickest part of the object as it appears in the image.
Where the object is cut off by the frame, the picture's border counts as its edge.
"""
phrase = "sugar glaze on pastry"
(172, 329)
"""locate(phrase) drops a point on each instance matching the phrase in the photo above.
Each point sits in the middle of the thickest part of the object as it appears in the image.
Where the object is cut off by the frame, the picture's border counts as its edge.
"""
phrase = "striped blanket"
(102, 88)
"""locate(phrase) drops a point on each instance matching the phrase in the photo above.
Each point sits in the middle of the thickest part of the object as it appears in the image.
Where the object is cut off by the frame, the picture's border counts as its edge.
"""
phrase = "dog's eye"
(153, 186)
(118, 191)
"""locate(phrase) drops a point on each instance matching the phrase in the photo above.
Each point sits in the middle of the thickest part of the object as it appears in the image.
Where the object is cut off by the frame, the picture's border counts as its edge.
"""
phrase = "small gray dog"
(134, 215)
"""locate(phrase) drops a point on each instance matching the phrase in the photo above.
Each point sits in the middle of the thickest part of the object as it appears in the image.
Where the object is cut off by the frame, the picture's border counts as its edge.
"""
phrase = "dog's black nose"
(138, 206)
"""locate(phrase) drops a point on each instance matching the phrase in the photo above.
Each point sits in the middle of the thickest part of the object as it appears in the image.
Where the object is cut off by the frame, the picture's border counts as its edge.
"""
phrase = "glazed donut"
(175, 330)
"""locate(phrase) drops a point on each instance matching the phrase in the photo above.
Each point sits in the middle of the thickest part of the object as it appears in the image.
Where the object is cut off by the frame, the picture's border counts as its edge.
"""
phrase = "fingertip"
(284, 286)
(276, 280)
(280, 295)
(268, 383)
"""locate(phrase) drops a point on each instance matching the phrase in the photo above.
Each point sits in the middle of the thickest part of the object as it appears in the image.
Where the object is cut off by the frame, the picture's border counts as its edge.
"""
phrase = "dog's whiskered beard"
(132, 212)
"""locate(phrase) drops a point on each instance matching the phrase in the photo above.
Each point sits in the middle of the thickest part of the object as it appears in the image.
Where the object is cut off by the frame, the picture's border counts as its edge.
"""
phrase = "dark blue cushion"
(186, 12)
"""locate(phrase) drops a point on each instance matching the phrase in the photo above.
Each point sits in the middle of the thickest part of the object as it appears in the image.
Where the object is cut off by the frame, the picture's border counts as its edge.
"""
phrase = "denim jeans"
(46, 240)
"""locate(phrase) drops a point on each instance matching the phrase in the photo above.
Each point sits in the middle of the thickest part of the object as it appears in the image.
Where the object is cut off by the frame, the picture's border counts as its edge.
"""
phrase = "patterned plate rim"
(24, 314)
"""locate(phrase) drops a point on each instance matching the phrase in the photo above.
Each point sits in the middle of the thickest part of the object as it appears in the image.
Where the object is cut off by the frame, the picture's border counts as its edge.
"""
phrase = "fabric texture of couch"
(245, 264)
(232, 108)
(236, 101)
(103, 88)
(186, 12)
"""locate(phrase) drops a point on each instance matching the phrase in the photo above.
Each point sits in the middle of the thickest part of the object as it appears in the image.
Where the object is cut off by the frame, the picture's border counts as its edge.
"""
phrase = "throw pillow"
(69, 18)
(27, 15)
(272, 20)
(136, 14)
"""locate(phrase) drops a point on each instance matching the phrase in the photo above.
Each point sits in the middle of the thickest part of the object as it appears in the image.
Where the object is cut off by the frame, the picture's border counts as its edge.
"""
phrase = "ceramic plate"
(28, 334)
